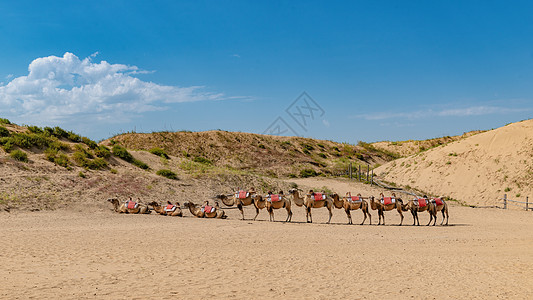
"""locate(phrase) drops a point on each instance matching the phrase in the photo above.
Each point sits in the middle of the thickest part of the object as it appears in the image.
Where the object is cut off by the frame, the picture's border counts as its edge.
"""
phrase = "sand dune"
(478, 170)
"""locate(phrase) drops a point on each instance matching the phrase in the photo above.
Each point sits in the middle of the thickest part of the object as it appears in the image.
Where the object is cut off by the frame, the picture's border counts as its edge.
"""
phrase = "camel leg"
(382, 216)
(430, 218)
(369, 216)
(271, 213)
(289, 214)
(444, 211)
(239, 206)
(364, 214)
(413, 213)
(308, 215)
(330, 214)
(401, 215)
(349, 215)
(256, 213)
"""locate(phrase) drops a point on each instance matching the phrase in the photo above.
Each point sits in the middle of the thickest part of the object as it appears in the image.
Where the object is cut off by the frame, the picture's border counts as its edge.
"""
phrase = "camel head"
(178, 205)
(113, 200)
(381, 195)
(154, 204)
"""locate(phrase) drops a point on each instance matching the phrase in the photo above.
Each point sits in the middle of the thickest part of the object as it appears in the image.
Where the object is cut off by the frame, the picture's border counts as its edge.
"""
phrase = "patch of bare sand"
(485, 254)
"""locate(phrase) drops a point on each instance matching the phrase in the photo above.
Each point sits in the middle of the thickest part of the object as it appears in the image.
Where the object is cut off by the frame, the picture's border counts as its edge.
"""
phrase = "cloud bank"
(65, 88)
(431, 113)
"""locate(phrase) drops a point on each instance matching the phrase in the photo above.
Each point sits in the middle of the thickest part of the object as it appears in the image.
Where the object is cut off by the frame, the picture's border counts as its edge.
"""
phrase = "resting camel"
(278, 201)
(213, 211)
(244, 198)
(203, 212)
(354, 203)
(130, 207)
(420, 205)
(317, 200)
(173, 210)
(386, 204)
(440, 205)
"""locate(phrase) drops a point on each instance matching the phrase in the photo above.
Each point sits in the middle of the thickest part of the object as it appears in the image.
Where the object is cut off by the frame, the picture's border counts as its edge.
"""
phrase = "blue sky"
(371, 70)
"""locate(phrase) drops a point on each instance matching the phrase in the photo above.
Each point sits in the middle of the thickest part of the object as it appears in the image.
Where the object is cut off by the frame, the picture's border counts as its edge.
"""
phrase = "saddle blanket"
(208, 209)
(242, 195)
(132, 204)
(170, 208)
(438, 201)
(422, 202)
(319, 196)
(388, 200)
(355, 199)
(274, 198)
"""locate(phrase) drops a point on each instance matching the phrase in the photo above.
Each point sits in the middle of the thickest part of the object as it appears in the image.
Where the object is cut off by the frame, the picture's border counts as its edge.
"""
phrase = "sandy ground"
(81, 253)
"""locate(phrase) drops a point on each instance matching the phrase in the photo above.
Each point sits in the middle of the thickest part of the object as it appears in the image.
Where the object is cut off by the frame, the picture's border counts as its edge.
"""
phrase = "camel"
(205, 211)
(386, 204)
(440, 205)
(317, 200)
(354, 203)
(295, 193)
(276, 202)
(213, 211)
(130, 207)
(244, 198)
(419, 205)
(173, 210)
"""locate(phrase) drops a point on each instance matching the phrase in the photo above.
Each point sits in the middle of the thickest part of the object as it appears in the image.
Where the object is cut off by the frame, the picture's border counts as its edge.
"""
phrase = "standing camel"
(354, 203)
(317, 200)
(173, 210)
(277, 201)
(244, 198)
(440, 205)
(419, 205)
(129, 207)
(386, 204)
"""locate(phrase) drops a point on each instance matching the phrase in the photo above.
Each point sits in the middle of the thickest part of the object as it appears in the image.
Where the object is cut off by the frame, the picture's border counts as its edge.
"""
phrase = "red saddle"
(208, 209)
(242, 194)
(275, 198)
(387, 200)
(131, 205)
(170, 207)
(439, 201)
(319, 196)
(356, 199)
(422, 202)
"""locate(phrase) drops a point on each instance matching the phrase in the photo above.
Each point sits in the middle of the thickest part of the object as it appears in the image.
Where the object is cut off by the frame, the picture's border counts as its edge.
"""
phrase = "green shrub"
(167, 173)
(4, 132)
(74, 137)
(50, 154)
(308, 147)
(4, 121)
(62, 160)
(8, 145)
(19, 155)
(35, 129)
(82, 175)
(102, 151)
(202, 160)
(159, 152)
(322, 155)
(96, 164)
(87, 141)
(122, 153)
(113, 171)
(140, 164)
(308, 173)
(262, 146)
(59, 132)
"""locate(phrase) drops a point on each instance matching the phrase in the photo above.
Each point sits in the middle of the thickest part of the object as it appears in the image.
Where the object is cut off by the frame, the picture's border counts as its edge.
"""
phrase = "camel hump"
(208, 209)
(438, 201)
(355, 199)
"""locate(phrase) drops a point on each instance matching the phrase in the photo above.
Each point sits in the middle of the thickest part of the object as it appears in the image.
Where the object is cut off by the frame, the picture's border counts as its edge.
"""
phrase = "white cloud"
(63, 88)
(431, 113)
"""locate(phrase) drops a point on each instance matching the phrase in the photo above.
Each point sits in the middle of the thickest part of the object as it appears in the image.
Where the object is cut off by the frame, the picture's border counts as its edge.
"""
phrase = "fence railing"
(516, 203)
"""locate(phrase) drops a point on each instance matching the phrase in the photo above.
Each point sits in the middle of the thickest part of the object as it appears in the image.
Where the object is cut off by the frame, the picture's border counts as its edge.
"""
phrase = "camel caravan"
(309, 201)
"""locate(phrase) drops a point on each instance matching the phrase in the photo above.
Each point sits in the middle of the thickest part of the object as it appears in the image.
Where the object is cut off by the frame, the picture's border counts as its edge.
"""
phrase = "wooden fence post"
(359, 172)
(527, 203)
(367, 172)
(504, 201)
(372, 178)
(350, 170)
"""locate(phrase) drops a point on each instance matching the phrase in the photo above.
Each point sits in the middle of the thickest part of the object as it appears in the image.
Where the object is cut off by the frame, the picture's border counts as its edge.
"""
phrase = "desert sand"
(83, 252)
